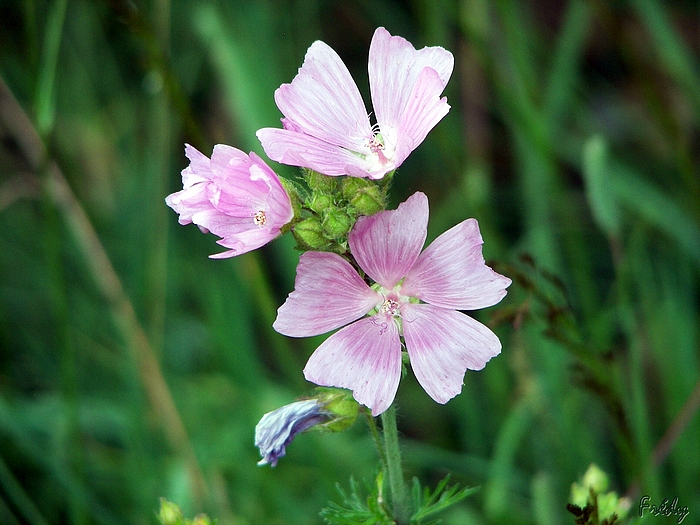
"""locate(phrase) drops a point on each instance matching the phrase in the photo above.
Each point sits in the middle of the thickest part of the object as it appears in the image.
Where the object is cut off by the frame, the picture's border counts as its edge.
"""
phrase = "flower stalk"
(394, 470)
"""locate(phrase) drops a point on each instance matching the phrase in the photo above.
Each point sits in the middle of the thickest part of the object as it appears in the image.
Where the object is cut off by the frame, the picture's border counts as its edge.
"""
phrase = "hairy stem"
(394, 471)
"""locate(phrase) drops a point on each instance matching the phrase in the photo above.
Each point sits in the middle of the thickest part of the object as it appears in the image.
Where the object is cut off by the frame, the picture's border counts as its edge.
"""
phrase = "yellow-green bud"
(320, 202)
(351, 186)
(201, 519)
(368, 201)
(170, 513)
(336, 223)
(596, 479)
(309, 234)
(341, 405)
(319, 182)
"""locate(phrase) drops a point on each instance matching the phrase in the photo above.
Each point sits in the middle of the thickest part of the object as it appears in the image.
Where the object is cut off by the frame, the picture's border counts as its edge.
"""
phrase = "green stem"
(394, 471)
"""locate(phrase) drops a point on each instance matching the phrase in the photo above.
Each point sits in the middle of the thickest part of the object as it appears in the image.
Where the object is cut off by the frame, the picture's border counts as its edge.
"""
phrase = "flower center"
(259, 218)
(390, 306)
(376, 144)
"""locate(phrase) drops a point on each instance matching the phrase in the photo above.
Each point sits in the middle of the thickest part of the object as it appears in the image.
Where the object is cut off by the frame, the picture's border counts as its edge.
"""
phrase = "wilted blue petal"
(277, 429)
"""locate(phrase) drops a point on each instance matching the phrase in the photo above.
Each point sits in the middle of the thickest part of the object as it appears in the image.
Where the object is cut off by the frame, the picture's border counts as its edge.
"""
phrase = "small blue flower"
(277, 429)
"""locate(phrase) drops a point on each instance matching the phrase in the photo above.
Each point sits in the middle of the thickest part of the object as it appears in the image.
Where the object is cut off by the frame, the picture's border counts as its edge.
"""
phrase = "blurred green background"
(134, 367)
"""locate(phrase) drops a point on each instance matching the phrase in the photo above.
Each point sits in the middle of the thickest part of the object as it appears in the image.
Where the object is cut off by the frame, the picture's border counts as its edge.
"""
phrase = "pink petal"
(442, 344)
(394, 69)
(299, 149)
(323, 100)
(386, 245)
(364, 357)
(328, 293)
(198, 169)
(424, 109)
(451, 272)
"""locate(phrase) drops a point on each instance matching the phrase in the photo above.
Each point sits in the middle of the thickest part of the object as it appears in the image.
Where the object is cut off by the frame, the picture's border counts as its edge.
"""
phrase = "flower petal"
(394, 71)
(442, 344)
(387, 244)
(323, 100)
(364, 357)
(277, 429)
(294, 148)
(328, 293)
(424, 109)
(451, 272)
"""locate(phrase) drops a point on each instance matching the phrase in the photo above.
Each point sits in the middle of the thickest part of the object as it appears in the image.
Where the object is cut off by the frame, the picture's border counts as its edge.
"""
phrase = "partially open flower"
(233, 195)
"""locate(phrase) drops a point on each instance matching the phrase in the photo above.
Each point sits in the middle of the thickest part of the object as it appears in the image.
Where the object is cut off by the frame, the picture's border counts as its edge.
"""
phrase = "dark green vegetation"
(134, 367)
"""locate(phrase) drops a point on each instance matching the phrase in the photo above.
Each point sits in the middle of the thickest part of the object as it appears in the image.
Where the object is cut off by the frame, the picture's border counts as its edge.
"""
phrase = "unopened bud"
(309, 234)
(363, 195)
(319, 182)
(169, 513)
(320, 202)
(336, 223)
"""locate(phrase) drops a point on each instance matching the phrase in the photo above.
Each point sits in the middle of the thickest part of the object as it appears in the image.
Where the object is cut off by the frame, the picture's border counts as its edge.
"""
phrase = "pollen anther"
(259, 218)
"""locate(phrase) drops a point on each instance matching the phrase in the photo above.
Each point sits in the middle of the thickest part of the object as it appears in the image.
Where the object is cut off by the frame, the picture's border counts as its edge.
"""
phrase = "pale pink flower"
(326, 126)
(416, 295)
(233, 195)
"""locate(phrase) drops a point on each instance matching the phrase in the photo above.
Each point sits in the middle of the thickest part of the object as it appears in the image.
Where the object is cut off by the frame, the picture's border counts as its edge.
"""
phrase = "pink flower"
(233, 195)
(326, 126)
(416, 295)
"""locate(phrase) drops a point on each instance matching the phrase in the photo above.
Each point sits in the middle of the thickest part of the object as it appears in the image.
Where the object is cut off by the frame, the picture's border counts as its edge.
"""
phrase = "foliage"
(132, 367)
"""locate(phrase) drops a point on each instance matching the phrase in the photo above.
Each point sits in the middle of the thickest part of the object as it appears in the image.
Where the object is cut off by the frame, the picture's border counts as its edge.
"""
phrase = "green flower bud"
(309, 234)
(319, 182)
(351, 186)
(336, 223)
(320, 202)
(170, 513)
(363, 195)
(368, 202)
(595, 479)
(202, 519)
(342, 407)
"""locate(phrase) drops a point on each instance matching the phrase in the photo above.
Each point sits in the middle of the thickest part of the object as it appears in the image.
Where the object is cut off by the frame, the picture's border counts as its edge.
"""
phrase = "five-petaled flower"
(416, 295)
(326, 126)
(278, 428)
(233, 195)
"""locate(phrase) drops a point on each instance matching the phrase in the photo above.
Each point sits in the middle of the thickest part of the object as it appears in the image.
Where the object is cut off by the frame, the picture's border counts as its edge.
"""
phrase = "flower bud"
(336, 223)
(169, 513)
(320, 202)
(341, 405)
(351, 186)
(319, 182)
(309, 234)
(363, 195)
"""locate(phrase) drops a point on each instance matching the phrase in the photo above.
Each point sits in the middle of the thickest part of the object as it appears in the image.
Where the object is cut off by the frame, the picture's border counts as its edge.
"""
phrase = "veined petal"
(424, 109)
(394, 69)
(294, 148)
(277, 429)
(328, 293)
(451, 272)
(364, 357)
(323, 100)
(198, 169)
(442, 344)
(387, 244)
